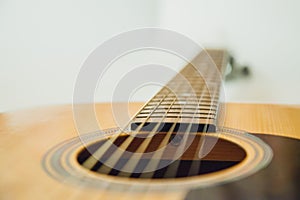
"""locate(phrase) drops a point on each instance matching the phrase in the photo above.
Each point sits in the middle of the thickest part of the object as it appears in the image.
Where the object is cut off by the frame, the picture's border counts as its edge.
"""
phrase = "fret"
(133, 163)
(183, 97)
(172, 115)
(182, 106)
(195, 103)
(179, 106)
(201, 108)
(193, 100)
(178, 111)
(195, 121)
(180, 117)
(191, 96)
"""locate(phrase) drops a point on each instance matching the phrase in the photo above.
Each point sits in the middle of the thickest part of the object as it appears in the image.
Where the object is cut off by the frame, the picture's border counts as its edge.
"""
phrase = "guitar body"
(27, 136)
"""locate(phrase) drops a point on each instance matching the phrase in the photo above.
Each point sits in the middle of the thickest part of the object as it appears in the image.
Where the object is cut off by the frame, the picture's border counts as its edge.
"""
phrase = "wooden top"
(28, 134)
(280, 120)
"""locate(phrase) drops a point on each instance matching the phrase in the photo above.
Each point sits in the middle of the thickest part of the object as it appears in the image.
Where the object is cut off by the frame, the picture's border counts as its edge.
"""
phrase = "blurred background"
(44, 43)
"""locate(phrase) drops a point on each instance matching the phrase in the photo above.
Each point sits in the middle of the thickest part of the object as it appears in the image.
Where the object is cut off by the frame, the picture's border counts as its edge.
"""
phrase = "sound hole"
(95, 157)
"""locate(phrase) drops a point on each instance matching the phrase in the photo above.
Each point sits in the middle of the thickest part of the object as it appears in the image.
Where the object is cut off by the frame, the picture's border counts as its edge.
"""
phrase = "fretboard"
(190, 98)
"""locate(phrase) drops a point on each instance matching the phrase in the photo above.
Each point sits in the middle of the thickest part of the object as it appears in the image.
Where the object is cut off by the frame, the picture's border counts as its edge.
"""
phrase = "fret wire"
(196, 165)
(206, 100)
(174, 168)
(117, 154)
(205, 97)
(94, 158)
(181, 117)
(170, 114)
(132, 164)
(177, 112)
(147, 105)
(156, 164)
(170, 168)
(164, 94)
(114, 158)
(142, 124)
(178, 106)
(158, 104)
(177, 164)
(127, 127)
(159, 125)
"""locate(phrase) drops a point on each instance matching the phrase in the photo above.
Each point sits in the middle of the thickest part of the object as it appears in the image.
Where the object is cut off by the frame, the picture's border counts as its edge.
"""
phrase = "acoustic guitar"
(184, 143)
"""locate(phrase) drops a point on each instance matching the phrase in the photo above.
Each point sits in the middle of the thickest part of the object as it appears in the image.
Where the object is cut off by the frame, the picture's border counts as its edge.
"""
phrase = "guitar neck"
(190, 98)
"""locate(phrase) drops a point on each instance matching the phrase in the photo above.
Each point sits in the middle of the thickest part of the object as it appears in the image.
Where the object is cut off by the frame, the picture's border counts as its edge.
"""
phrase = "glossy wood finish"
(27, 135)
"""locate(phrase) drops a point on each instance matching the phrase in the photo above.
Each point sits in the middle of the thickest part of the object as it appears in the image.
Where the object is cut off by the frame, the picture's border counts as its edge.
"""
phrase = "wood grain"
(26, 135)
(281, 120)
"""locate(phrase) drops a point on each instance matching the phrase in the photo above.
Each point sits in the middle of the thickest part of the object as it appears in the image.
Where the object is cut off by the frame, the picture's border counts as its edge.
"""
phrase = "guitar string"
(175, 123)
(131, 164)
(95, 157)
(155, 159)
(170, 131)
(114, 158)
(165, 140)
(172, 170)
(188, 130)
(178, 151)
(195, 166)
(153, 131)
(140, 126)
(157, 156)
(190, 126)
(154, 164)
(117, 154)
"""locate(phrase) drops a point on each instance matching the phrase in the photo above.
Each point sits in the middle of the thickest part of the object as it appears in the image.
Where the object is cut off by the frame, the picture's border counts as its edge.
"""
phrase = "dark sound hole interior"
(224, 154)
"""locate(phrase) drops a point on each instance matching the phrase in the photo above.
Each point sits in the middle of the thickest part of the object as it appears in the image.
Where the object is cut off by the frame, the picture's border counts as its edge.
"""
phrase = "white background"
(44, 43)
